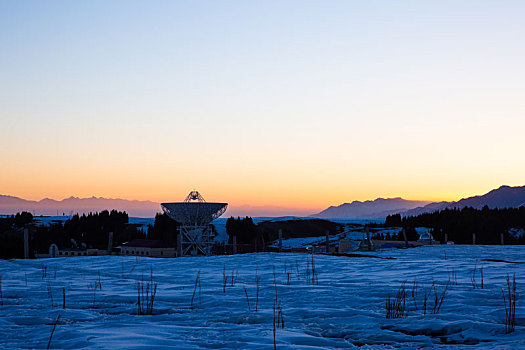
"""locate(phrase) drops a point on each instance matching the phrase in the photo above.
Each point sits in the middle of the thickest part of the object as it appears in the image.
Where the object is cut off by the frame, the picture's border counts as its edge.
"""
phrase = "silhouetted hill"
(503, 197)
(379, 208)
(429, 208)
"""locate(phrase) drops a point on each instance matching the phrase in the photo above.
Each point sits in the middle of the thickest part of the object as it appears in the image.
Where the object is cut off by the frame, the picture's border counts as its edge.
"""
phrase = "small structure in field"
(345, 245)
(147, 247)
(426, 238)
(366, 243)
(53, 250)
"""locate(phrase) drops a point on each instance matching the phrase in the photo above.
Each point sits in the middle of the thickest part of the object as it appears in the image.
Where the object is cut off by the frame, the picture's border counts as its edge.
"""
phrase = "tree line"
(459, 224)
(79, 231)
(253, 237)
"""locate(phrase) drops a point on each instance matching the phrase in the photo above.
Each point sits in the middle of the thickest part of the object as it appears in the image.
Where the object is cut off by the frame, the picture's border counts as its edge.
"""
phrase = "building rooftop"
(146, 243)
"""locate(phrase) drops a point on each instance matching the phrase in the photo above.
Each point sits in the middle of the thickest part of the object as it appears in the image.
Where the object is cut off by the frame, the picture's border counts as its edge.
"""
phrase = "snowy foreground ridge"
(344, 309)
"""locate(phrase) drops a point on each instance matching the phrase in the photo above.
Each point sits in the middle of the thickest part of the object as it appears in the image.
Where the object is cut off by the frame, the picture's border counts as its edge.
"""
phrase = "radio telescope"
(194, 215)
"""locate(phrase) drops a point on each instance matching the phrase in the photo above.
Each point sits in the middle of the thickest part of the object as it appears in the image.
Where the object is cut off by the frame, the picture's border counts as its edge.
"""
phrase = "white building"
(147, 247)
(67, 252)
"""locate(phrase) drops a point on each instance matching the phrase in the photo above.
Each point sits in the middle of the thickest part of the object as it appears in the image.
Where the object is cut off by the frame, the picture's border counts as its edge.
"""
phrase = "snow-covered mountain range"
(73, 205)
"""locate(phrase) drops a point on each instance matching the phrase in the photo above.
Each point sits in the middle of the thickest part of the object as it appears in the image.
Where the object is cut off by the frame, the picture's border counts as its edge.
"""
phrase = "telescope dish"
(194, 211)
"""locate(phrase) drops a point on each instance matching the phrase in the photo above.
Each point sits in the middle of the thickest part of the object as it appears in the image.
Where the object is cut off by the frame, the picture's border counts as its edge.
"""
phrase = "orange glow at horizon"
(279, 175)
(294, 196)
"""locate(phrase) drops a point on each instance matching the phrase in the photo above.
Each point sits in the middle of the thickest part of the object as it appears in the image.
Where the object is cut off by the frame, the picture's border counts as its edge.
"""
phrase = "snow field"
(344, 309)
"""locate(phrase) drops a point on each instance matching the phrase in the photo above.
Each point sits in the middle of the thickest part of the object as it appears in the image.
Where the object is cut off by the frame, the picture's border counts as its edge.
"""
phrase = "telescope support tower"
(195, 240)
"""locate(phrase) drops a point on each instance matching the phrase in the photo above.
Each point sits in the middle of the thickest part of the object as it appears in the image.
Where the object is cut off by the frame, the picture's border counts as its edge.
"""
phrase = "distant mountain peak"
(377, 208)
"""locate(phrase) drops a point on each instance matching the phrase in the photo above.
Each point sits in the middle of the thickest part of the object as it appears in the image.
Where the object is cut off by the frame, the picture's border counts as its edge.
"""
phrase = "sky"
(297, 105)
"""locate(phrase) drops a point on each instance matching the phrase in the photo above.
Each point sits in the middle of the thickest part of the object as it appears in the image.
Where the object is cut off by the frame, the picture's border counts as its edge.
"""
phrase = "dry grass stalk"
(233, 279)
(452, 276)
(414, 293)
(195, 288)
(96, 285)
(438, 298)
(473, 280)
(50, 293)
(509, 301)
(287, 272)
(314, 272)
(53, 332)
(274, 328)
(224, 279)
(395, 307)
(94, 297)
(481, 271)
(275, 282)
(307, 270)
(280, 316)
(247, 299)
(426, 294)
(278, 320)
(257, 281)
(146, 291)
(200, 299)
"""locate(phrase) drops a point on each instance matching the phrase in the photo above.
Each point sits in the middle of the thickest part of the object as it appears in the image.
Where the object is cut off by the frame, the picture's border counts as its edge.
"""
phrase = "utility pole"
(280, 240)
(405, 237)
(110, 243)
(179, 244)
(26, 243)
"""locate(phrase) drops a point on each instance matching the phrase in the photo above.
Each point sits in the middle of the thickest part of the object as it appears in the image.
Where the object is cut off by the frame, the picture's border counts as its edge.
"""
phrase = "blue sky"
(293, 103)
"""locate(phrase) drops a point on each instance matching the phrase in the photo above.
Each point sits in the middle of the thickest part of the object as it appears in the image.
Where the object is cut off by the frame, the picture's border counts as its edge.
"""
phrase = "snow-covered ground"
(346, 309)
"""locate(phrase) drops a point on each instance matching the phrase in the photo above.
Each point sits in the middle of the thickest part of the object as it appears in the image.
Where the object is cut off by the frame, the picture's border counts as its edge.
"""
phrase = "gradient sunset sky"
(295, 104)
